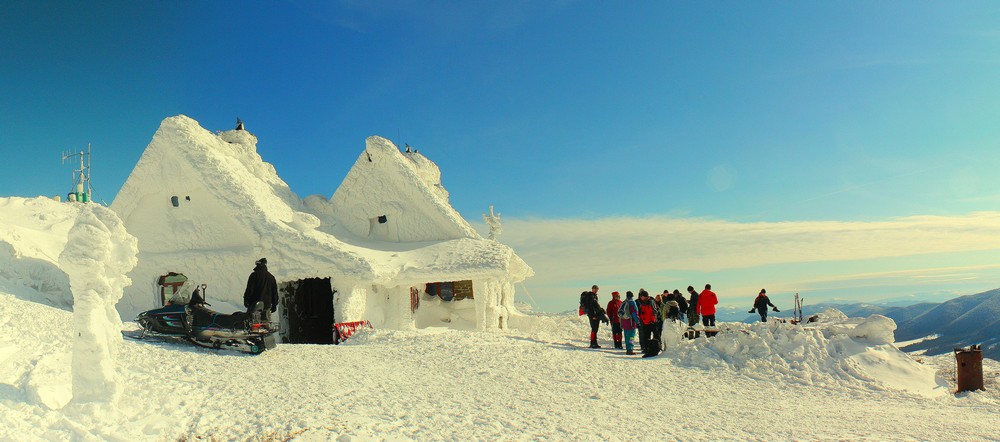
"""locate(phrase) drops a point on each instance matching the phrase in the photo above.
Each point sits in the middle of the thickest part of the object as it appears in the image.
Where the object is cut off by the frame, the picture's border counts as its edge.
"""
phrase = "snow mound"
(33, 232)
(835, 350)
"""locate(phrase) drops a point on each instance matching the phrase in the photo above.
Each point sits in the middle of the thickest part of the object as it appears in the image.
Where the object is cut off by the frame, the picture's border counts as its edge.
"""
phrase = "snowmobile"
(194, 322)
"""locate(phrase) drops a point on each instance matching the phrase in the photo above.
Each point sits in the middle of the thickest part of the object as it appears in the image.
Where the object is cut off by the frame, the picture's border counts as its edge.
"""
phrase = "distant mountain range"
(958, 322)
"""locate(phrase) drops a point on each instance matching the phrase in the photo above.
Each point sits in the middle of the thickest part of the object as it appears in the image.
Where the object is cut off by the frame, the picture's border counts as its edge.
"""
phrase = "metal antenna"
(80, 184)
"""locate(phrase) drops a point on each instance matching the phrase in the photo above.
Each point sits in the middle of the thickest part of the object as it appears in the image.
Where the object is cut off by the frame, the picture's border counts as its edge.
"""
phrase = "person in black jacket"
(595, 313)
(261, 286)
(693, 317)
(682, 305)
(760, 305)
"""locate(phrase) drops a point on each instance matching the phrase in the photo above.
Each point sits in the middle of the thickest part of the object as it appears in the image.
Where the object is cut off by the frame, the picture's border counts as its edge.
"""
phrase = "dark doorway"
(308, 308)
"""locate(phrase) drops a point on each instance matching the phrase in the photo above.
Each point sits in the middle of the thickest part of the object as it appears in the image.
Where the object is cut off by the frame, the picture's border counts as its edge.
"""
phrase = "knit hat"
(629, 295)
(615, 294)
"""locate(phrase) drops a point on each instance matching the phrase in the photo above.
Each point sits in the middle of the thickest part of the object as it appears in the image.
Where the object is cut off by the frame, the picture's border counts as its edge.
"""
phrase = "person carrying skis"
(628, 315)
(760, 305)
(707, 301)
(591, 307)
(682, 305)
(648, 318)
(616, 324)
(261, 286)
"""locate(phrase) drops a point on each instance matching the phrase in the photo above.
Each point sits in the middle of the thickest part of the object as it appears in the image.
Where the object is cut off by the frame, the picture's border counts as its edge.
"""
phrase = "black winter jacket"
(261, 286)
(761, 303)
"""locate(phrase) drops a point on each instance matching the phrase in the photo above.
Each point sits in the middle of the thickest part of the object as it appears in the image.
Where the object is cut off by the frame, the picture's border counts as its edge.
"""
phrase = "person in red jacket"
(616, 323)
(649, 315)
(706, 308)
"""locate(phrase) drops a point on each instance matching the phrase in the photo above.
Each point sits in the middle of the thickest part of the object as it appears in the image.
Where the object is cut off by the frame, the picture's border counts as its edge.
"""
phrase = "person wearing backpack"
(648, 318)
(629, 318)
(760, 305)
(670, 308)
(591, 307)
(682, 305)
(616, 324)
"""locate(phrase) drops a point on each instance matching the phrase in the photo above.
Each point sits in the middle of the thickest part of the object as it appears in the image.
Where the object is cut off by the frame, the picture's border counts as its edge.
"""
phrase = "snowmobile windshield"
(182, 295)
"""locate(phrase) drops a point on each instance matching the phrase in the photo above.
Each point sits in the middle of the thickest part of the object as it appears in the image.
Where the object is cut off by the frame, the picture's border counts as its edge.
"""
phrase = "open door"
(308, 311)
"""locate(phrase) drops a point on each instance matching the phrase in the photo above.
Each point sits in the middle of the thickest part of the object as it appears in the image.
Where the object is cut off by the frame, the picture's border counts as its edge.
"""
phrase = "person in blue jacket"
(628, 314)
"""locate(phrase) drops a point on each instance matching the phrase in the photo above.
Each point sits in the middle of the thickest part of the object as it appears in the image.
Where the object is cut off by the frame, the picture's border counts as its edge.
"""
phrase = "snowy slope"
(459, 385)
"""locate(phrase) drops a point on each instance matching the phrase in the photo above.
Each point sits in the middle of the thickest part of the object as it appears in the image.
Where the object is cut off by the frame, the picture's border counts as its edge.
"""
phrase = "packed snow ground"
(442, 384)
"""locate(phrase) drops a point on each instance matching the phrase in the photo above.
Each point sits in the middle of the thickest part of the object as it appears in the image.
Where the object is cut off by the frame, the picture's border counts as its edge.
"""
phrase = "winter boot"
(630, 352)
(593, 340)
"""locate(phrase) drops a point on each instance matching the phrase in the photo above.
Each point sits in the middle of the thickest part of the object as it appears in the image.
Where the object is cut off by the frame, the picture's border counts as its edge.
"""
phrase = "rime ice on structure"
(207, 205)
(98, 255)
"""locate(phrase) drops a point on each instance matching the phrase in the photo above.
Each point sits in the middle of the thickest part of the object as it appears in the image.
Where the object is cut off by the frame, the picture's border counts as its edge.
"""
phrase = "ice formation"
(98, 254)
(68, 256)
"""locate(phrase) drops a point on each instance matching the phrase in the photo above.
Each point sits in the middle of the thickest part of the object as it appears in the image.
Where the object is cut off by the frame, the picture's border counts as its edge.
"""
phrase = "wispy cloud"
(568, 252)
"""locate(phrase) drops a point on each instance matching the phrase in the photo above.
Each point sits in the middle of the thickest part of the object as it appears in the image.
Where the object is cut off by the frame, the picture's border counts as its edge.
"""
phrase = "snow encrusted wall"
(406, 189)
(98, 255)
(491, 309)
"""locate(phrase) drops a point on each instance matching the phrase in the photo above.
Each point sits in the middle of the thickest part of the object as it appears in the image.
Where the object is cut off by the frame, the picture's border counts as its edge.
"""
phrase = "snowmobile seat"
(203, 317)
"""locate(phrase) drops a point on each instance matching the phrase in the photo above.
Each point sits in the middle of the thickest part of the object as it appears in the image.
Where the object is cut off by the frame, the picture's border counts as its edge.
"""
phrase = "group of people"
(646, 315)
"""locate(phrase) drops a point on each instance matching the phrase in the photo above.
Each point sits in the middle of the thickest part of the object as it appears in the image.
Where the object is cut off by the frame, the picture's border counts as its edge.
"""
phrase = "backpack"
(624, 313)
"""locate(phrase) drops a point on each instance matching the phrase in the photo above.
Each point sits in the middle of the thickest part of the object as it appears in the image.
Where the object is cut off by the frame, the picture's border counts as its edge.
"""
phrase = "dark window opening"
(176, 202)
(382, 219)
(187, 198)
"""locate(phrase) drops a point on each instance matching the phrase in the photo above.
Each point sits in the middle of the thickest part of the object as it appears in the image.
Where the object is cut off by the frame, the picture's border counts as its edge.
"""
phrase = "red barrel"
(969, 374)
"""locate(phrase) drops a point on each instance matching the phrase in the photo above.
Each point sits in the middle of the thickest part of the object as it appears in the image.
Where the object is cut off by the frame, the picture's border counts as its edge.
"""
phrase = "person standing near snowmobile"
(760, 305)
(707, 301)
(616, 324)
(591, 307)
(692, 307)
(628, 314)
(261, 287)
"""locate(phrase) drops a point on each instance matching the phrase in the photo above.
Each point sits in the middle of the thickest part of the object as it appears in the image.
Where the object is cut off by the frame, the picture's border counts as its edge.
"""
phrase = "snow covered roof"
(202, 194)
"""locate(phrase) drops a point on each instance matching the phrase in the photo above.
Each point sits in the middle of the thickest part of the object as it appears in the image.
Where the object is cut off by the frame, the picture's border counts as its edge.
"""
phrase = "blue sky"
(605, 124)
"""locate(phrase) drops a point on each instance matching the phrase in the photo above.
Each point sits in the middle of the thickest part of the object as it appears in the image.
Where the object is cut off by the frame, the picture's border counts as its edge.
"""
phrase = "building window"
(382, 219)
(451, 291)
(175, 201)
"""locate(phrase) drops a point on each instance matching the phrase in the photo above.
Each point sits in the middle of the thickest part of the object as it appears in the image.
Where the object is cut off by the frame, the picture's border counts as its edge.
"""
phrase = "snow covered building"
(388, 247)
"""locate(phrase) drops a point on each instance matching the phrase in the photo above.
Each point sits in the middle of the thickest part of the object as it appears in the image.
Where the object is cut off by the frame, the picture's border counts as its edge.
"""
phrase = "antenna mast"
(81, 190)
